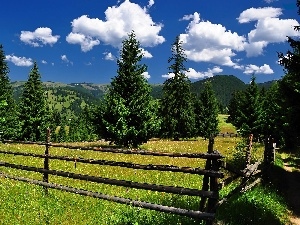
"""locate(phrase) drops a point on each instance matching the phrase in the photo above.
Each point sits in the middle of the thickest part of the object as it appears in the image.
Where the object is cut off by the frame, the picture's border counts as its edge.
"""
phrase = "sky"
(76, 41)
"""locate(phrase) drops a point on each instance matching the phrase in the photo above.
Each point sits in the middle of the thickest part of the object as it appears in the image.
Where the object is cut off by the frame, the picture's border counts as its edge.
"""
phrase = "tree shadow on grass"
(288, 183)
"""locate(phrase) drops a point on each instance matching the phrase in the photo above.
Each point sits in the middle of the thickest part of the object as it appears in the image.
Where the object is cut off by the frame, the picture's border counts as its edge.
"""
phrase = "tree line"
(129, 116)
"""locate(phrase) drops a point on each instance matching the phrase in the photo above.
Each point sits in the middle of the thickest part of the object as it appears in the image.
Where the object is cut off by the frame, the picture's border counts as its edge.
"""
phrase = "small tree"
(129, 117)
(177, 109)
(206, 112)
(33, 108)
(9, 112)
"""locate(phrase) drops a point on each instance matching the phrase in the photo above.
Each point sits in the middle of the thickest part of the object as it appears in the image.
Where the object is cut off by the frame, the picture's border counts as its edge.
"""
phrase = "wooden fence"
(208, 195)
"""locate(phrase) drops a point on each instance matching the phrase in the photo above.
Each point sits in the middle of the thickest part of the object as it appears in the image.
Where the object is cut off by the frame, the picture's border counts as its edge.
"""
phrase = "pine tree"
(9, 112)
(129, 115)
(33, 108)
(177, 108)
(248, 119)
(289, 87)
(207, 113)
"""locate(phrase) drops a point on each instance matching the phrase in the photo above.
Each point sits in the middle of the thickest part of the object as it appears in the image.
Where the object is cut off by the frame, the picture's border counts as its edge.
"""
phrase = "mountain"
(223, 86)
(73, 97)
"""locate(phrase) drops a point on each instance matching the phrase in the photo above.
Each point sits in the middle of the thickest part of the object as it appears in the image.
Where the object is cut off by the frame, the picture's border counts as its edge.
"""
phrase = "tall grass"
(23, 203)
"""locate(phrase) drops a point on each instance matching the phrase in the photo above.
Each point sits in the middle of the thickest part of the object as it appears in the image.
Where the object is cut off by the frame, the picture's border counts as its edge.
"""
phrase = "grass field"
(23, 203)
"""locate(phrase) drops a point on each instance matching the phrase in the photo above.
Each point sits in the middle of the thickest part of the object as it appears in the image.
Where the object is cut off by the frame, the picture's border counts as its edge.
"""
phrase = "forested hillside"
(75, 96)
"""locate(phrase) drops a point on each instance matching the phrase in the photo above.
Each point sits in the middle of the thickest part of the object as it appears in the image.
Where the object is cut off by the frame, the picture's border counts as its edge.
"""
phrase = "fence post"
(214, 186)
(205, 184)
(46, 160)
(249, 150)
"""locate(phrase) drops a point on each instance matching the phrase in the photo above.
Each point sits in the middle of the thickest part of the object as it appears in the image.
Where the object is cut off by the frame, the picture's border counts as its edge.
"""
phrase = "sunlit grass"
(26, 203)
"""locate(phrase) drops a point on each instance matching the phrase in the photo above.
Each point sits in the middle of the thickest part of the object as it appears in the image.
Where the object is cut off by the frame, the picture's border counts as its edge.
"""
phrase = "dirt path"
(291, 191)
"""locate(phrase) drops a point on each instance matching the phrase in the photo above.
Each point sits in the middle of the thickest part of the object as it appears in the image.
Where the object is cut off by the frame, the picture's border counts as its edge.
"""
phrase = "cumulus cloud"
(208, 42)
(169, 75)
(19, 61)
(150, 3)
(119, 21)
(268, 28)
(40, 37)
(65, 59)
(44, 61)
(109, 56)
(254, 14)
(146, 75)
(265, 69)
(146, 54)
(193, 74)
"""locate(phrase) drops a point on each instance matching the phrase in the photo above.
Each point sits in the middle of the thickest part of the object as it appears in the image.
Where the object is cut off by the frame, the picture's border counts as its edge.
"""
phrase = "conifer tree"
(177, 108)
(129, 114)
(248, 109)
(33, 108)
(206, 112)
(8, 111)
(289, 87)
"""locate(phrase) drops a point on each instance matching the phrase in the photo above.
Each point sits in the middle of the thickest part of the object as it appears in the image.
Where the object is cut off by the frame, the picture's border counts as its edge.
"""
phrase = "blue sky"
(79, 41)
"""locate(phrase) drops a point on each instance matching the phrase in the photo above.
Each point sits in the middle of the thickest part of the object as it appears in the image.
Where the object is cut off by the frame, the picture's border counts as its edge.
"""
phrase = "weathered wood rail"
(209, 194)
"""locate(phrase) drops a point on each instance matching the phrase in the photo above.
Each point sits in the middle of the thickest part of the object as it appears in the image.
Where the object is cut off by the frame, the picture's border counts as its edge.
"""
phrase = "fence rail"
(209, 191)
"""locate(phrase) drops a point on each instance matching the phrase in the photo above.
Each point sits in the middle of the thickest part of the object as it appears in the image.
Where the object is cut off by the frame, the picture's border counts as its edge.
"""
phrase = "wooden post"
(46, 160)
(214, 186)
(205, 184)
(249, 150)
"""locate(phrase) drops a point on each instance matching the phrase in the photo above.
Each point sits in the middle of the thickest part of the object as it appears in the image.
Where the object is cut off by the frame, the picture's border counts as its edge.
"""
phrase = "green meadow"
(23, 203)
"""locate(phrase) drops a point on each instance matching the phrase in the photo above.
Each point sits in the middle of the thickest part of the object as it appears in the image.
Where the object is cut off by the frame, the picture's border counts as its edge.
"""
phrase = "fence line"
(210, 190)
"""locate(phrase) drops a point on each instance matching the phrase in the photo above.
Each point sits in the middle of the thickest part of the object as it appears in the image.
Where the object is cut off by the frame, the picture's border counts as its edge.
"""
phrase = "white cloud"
(146, 54)
(150, 3)
(268, 29)
(44, 61)
(169, 75)
(119, 21)
(109, 56)
(41, 36)
(254, 14)
(19, 61)
(193, 74)
(208, 42)
(265, 69)
(146, 75)
(65, 59)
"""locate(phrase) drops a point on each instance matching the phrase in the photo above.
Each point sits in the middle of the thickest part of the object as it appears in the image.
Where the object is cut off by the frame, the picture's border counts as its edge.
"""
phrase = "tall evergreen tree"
(33, 108)
(206, 112)
(246, 116)
(9, 112)
(289, 87)
(177, 108)
(129, 115)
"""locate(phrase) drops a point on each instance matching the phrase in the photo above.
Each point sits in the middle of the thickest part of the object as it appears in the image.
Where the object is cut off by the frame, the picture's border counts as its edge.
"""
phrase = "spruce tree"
(247, 114)
(9, 128)
(33, 108)
(177, 108)
(289, 87)
(206, 113)
(129, 115)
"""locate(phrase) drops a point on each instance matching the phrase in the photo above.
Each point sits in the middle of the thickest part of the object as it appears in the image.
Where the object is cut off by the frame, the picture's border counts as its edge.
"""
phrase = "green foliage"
(245, 110)
(289, 87)
(206, 112)
(33, 108)
(9, 126)
(129, 117)
(261, 205)
(177, 107)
